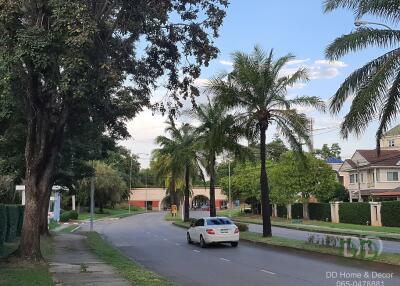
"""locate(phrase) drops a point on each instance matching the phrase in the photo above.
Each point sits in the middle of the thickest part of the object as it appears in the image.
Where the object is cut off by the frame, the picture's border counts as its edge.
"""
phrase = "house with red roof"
(373, 175)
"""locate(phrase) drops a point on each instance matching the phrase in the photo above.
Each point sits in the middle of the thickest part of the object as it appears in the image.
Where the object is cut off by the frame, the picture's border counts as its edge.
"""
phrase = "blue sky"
(299, 27)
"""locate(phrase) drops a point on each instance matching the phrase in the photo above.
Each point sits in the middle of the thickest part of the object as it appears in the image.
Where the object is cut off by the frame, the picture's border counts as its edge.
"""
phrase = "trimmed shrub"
(297, 211)
(12, 222)
(21, 210)
(390, 213)
(356, 213)
(67, 216)
(3, 224)
(282, 211)
(242, 226)
(319, 211)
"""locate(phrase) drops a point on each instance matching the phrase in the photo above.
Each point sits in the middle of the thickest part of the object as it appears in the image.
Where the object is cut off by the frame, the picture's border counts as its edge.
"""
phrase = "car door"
(199, 226)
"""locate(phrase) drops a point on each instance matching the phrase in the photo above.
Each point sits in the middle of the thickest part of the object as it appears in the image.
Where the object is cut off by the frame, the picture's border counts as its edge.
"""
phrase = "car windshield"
(218, 221)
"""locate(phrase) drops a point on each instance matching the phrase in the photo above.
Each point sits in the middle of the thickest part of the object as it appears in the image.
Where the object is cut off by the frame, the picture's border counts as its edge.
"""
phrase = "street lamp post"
(360, 22)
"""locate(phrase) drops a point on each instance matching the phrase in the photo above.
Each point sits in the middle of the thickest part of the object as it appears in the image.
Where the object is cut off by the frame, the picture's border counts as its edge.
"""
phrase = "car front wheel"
(202, 242)
(234, 243)
(189, 240)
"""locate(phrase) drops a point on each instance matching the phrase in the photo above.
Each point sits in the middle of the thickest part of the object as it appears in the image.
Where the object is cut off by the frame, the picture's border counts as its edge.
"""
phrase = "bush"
(356, 213)
(12, 222)
(297, 211)
(69, 215)
(390, 213)
(319, 211)
(21, 210)
(242, 226)
(3, 224)
(282, 211)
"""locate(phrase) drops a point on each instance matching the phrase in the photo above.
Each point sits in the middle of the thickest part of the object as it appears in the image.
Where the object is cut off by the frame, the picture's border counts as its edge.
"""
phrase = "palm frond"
(308, 101)
(360, 39)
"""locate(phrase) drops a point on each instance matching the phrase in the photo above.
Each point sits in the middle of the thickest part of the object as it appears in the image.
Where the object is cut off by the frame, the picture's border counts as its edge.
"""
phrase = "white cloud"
(201, 82)
(336, 64)
(297, 62)
(226, 63)
(317, 72)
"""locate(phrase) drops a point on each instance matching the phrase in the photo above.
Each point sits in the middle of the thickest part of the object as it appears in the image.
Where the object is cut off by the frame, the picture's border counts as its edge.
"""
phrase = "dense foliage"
(356, 213)
(390, 213)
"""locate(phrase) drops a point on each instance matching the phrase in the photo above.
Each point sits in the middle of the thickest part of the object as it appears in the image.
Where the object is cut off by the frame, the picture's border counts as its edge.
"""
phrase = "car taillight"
(210, 231)
(236, 230)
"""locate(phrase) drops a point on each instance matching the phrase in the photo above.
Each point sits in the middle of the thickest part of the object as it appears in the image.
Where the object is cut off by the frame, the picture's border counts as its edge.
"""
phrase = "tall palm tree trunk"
(265, 207)
(187, 186)
(213, 210)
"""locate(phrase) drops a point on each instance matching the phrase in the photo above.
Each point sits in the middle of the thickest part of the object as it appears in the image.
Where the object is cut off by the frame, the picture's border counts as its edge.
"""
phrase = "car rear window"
(218, 221)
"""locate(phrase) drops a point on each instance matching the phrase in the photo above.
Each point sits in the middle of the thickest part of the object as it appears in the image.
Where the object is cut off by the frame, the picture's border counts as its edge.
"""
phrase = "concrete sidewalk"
(73, 264)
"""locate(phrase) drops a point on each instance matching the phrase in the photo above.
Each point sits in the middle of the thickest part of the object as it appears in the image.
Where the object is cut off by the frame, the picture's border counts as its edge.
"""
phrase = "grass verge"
(131, 271)
(26, 275)
(110, 213)
(387, 233)
(388, 258)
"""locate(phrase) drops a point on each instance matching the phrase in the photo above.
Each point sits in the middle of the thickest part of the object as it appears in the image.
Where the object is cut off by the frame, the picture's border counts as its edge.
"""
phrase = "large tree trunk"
(173, 194)
(45, 130)
(44, 226)
(265, 207)
(187, 193)
(213, 210)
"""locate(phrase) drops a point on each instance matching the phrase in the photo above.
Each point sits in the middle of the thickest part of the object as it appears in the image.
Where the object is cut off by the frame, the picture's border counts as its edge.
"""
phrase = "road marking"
(268, 272)
(75, 229)
(224, 259)
(177, 244)
(165, 239)
(195, 250)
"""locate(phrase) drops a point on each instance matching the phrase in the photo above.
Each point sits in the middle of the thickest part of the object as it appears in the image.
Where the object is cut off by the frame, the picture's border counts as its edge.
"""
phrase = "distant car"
(208, 230)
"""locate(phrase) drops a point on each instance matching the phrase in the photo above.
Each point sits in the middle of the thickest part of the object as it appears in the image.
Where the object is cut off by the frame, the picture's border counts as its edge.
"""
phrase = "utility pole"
(359, 183)
(130, 186)
(91, 202)
(311, 135)
(229, 185)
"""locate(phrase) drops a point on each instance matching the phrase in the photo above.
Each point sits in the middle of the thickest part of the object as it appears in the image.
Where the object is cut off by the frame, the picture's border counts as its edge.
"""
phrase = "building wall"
(382, 183)
(385, 142)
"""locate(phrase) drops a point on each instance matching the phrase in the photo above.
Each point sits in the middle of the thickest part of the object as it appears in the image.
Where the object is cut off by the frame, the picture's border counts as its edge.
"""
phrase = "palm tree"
(218, 132)
(375, 87)
(176, 157)
(258, 90)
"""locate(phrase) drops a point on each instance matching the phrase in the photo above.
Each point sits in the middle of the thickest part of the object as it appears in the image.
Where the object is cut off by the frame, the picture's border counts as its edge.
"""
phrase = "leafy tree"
(325, 152)
(218, 131)
(275, 149)
(257, 87)
(298, 178)
(68, 61)
(373, 88)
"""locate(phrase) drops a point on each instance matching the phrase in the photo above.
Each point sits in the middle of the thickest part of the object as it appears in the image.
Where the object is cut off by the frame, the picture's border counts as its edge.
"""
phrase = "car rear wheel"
(189, 240)
(234, 243)
(202, 242)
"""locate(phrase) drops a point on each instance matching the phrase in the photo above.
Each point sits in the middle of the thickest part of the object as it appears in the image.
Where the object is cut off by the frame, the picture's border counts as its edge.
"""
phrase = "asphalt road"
(387, 246)
(162, 247)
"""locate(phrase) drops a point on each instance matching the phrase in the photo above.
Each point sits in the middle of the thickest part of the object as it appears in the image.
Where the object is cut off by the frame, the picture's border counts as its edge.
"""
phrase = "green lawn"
(110, 213)
(319, 226)
(169, 217)
(389, 258)
(26, 275)
(128, 269)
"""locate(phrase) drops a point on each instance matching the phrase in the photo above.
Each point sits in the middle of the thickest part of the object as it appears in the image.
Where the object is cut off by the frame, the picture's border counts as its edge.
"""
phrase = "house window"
(362, 178)
(392, 176)
(391, 143)
(377, 176)
(353, 178)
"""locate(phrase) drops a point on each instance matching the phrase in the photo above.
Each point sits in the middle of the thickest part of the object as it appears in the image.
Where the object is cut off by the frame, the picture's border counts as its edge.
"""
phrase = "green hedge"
(21, 210)
(67, 216)
(3, 224)
(390, 213)
(356, 213)
(297, 211)
(282, 211)
(319, 211)
(12, 222)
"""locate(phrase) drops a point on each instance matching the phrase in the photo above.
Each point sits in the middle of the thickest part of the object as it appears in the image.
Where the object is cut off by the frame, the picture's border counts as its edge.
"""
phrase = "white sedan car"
(209, 230)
